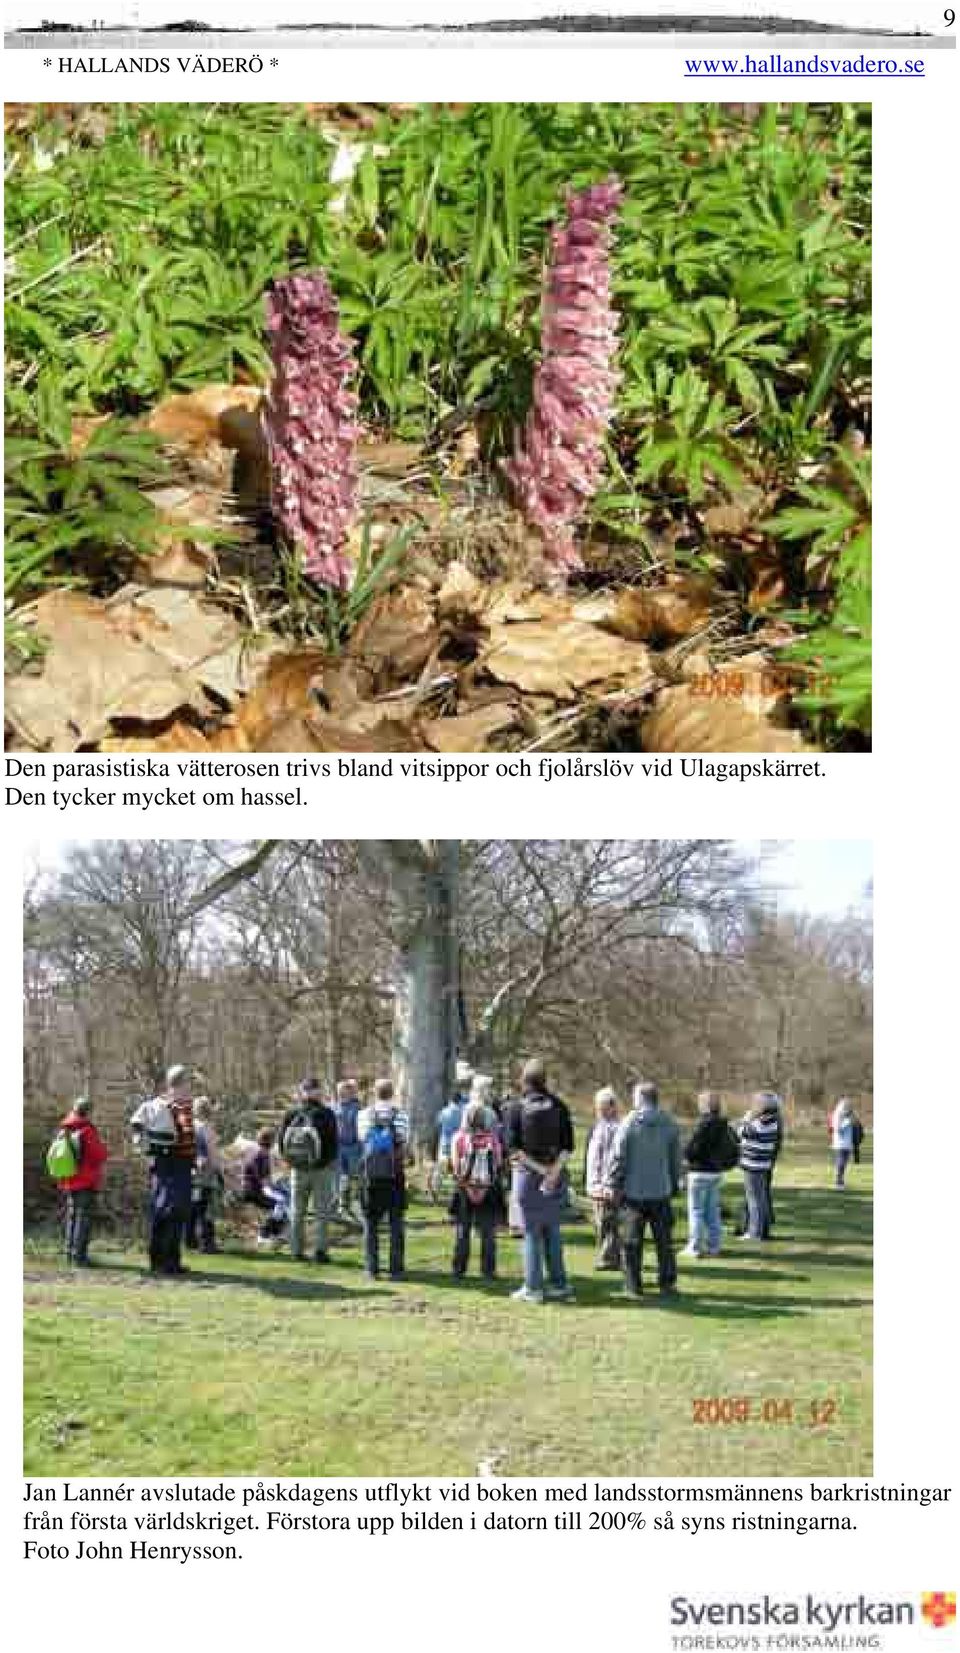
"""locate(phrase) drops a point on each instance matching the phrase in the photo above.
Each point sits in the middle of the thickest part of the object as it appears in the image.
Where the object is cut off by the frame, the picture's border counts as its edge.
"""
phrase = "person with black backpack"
(540, 1142)
(384, 1131)
(475, 1160)
(713, 1148)
(308, 1143)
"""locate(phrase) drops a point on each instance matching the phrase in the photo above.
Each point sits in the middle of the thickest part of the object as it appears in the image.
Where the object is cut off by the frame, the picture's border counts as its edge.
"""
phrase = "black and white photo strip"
(443, 823)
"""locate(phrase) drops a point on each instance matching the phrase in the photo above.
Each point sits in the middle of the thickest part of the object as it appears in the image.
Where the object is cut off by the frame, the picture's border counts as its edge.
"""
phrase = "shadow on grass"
(319, 1288)
(316, 1284)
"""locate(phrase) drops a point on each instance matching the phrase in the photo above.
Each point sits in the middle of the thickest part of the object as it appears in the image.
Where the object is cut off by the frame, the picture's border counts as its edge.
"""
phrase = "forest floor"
(261, 1366)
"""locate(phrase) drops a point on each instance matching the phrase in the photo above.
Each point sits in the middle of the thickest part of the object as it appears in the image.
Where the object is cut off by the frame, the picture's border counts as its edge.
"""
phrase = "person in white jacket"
(606, 1217)
(842, 1139)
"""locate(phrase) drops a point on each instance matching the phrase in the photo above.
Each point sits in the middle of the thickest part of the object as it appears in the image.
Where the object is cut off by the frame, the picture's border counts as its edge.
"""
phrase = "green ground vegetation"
(258, 1365)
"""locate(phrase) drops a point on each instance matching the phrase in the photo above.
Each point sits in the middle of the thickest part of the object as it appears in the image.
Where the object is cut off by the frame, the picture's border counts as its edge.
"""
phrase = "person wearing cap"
(643, 1174)
(761, 1136)
(82, 1188)
(540, 1142)
(308, 1142)
(207, 1179)
(164, 1129)
(448, 1123)
(606, 1217)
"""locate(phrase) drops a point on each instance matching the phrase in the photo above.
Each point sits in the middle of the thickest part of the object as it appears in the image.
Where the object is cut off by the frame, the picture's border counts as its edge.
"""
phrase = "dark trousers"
(483, 1218)
(606, 1226)
(169, 1212)
(756, 1187)
(841, 1159)
(79, 1222)
(383, 1199)
(659, 1216)
(200, 1231)
(744, 1227)
(272, 1226)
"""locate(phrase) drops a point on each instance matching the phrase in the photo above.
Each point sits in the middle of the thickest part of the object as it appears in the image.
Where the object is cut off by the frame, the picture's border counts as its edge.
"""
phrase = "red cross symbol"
(938, 1608)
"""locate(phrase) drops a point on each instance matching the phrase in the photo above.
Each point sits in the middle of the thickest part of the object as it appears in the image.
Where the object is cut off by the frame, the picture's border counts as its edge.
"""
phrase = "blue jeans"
(703, 1211)
(80, 1204)
(542, 1246)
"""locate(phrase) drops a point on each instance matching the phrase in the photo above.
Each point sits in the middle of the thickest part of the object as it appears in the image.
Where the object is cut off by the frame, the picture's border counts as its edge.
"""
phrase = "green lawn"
(260, 1366)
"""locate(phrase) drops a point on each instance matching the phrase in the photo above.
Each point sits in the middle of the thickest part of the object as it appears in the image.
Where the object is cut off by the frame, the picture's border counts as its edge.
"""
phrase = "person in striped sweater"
(761, 1134)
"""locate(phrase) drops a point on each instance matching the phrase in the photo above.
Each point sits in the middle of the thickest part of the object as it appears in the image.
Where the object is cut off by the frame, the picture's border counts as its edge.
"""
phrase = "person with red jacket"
(82, 1188)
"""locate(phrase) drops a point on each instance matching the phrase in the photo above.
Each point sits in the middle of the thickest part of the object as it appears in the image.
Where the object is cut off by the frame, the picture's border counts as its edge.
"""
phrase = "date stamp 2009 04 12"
(738, 1409)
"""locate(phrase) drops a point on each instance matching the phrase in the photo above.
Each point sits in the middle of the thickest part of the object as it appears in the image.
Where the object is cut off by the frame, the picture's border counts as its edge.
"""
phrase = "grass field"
(261, 1366)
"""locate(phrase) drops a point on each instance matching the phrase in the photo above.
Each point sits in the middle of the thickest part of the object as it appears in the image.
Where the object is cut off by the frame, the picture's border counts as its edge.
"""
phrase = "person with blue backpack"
(384, 1131)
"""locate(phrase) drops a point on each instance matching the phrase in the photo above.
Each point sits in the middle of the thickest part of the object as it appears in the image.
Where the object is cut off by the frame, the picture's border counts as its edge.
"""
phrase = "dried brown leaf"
(515, 603)
(728, 520)
(694, 718)
(287, 693)
(461, 596)
(396, 637)
(471, 731)
(179, 563)
(178, 736)
(206, 416)
(96, 671)
(663, 614)
(559, 659)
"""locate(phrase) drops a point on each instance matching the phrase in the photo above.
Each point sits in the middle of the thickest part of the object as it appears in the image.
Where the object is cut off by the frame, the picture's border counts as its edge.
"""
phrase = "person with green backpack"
(76, 1159)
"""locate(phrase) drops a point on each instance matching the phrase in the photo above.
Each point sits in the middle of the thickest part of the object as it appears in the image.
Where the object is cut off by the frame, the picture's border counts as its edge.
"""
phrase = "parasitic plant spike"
(311, 425)
(558, 458)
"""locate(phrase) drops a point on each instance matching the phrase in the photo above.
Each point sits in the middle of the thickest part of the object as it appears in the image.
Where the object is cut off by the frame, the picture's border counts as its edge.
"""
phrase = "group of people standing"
(507, 1164)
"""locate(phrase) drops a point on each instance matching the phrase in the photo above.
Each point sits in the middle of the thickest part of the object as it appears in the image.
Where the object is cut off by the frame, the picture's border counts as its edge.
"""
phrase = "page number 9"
(949, 17)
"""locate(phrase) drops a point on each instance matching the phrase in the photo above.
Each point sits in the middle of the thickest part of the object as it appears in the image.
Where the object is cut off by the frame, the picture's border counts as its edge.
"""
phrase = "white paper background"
(427, 1591)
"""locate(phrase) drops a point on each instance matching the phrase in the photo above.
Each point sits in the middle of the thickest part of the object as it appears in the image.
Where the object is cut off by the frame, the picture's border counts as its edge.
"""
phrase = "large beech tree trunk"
(424, 877)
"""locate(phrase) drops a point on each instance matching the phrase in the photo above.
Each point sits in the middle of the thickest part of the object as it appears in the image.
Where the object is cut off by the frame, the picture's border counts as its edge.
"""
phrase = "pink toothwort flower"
(311, 424)
(558, 458)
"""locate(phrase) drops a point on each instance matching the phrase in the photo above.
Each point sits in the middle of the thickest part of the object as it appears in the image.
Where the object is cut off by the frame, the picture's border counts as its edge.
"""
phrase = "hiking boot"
(634, 1293)
(525, 1295)
(322, 1257)
(669, 1291)
(557, 1294)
